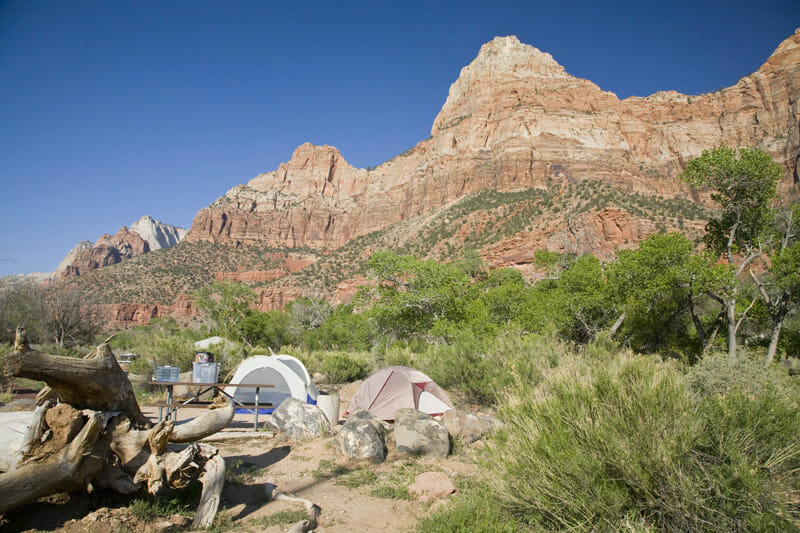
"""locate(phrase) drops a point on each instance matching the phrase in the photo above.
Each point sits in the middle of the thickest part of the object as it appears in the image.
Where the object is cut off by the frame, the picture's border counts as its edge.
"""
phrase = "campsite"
(284, 469)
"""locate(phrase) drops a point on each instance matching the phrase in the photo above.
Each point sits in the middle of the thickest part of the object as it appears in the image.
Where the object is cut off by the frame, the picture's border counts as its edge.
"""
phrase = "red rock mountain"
(513, 120)
(108, 250)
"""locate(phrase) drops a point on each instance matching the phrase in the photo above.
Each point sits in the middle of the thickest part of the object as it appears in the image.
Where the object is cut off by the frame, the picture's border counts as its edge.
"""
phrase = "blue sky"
(110, 110)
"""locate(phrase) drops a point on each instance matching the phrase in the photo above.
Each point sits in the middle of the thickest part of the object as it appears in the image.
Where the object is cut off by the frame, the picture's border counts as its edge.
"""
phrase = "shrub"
(482, 369)
(626, 445)
(342, 367)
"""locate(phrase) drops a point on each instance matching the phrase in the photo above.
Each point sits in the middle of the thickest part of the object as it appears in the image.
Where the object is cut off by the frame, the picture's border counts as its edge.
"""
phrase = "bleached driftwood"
(98, 437)
(312, 509)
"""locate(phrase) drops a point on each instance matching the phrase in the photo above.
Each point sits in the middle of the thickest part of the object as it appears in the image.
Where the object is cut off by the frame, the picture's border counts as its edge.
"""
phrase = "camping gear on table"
(166, 373)
(205, 372)
(203, 357)
(396, 387)
(287, 374)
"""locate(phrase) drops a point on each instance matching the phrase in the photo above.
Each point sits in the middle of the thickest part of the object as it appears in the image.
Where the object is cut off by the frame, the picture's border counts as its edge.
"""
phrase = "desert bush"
(398, 354)
(721, 374)
(342, 367)
(481, 368)
(625, 443)
(163, 340)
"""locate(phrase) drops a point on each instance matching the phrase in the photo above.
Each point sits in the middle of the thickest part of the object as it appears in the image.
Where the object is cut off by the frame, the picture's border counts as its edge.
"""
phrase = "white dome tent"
(287, 381)
(300, 369)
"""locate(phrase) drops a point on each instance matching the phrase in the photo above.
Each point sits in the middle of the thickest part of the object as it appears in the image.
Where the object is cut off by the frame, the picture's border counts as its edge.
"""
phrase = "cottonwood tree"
(743, 183)
(226, 303)
(659, 285)
(780, 286)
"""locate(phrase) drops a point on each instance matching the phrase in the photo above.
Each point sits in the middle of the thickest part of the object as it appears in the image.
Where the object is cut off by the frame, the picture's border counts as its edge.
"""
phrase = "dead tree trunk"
(98, 437)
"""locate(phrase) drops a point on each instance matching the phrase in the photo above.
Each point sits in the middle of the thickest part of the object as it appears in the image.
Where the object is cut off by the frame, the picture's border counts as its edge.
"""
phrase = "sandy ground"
(310, 470)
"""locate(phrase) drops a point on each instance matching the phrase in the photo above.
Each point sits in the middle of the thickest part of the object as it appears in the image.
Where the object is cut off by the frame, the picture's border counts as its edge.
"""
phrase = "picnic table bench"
(171, 406)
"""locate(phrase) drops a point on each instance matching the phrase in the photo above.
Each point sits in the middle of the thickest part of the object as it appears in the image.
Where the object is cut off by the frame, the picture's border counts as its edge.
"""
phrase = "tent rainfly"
(286, 373)
(396, 387)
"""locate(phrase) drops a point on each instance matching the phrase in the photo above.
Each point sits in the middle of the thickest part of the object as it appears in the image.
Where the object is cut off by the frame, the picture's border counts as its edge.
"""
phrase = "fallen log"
(98, 437)
(94, 382)
(312, 509)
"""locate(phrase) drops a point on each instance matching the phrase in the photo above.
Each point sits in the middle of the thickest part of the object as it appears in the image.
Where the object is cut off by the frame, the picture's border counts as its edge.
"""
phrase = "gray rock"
(468, 427)
(420, 434)
(300, 420)
(362, 437)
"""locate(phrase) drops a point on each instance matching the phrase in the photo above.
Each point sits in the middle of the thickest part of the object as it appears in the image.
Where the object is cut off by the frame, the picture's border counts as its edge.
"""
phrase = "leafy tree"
(343, 330)
(783, 293)
(657, 286)
(743, 182)
(226, 303)
(471, 263)
(308, 313)
(412, 295)
(576, 302)
(272, 329)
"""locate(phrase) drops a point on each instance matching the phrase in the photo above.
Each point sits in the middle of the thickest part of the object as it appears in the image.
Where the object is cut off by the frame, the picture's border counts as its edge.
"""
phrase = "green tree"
(782, 293)
(743, 182)
(342, 330)
(226, 303)
(271, 329)
(411, 296)
(660, 284)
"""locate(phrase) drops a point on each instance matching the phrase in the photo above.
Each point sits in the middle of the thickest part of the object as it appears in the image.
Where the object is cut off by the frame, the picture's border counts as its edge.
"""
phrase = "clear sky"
(110, 110)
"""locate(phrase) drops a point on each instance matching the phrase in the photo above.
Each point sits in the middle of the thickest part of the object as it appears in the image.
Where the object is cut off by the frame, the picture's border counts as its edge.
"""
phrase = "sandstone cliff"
(514, 120)
(108, 250)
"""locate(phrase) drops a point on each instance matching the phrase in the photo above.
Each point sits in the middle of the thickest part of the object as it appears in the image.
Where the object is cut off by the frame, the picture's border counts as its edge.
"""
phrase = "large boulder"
(362, 437)
(300, 420)
(467, 426)
(419, 433)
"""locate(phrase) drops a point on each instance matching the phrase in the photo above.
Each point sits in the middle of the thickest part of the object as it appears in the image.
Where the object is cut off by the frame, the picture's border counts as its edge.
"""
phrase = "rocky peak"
(157, 234)
(514, 120)
(144, 235)
(72, 256)
(501, 61)
(507, 55)
(311, 170)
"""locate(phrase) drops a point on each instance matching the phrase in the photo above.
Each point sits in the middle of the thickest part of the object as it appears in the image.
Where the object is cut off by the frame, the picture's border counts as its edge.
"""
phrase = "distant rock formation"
(157, 234)
(144, 235)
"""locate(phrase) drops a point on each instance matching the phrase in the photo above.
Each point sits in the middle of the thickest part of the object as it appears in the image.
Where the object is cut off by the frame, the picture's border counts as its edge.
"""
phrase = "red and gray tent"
(395, 387)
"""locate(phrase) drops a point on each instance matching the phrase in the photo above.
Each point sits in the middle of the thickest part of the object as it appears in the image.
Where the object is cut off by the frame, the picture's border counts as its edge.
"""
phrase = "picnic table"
(168, 409)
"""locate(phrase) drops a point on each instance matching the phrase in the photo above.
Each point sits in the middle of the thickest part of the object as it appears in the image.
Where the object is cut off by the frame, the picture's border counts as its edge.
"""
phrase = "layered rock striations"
(513, 120)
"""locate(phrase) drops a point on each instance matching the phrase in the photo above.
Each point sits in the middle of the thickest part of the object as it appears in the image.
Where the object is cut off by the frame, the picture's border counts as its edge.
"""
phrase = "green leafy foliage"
(743, 182)
(342, 367)
(226, 303)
